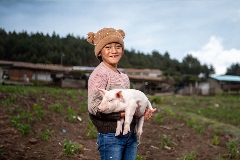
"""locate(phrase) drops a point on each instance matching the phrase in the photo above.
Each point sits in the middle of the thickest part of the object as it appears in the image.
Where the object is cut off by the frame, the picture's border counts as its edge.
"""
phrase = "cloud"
(213, 53)
(176, 26)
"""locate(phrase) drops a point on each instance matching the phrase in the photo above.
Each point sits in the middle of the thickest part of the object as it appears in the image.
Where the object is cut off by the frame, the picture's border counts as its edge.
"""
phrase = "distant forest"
(76, 51)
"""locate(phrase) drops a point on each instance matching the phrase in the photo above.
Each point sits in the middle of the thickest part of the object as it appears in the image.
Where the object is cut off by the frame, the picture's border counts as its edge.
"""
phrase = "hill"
(76, 51)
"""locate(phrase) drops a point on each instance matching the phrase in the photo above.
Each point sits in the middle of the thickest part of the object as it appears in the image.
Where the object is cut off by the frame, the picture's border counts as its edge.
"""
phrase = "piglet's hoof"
(125, 132)
(117, 133)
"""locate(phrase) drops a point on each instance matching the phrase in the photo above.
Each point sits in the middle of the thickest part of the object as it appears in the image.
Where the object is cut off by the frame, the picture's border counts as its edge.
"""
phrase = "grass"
(83, 107)
(53, 91)
(23, 90)
(233, 149)
(58, 108)
(139, 157)
(22, 116)
(22, 122)
(38, 111)
(218, 112)
(9, 100)
(71, 148)
(189, 156)
(158, 118)
(221, 112)
(24, 128)
(71, 115)
(45, 135)
(15, 109)
(92, 132)
(215, 140)
(166, 141)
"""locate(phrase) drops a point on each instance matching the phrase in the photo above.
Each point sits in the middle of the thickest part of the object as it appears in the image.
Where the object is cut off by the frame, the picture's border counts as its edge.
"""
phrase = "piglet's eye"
(110, 100)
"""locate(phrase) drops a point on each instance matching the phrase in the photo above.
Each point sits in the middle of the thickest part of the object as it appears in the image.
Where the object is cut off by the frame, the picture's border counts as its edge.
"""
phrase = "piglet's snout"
(100, 108)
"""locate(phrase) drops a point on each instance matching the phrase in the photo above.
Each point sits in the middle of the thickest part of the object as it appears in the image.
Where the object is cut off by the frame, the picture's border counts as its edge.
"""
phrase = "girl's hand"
(122, 114)
(148, 113)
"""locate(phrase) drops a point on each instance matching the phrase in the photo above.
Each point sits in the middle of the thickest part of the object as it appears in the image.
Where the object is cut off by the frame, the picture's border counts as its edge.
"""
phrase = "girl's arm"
(147, 115)
(110, 116)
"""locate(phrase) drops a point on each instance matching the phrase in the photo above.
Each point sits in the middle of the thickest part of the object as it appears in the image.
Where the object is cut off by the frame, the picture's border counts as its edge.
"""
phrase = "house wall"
(214, 86)
(154, 74)
(137, 85)
(209, 87)
(16, 74)
(1, 75)
(204, 88)
(42, 76)
(20, 74)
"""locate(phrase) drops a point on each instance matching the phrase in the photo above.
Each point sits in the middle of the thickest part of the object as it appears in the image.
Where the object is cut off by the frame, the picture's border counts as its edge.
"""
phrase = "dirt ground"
(14, 146)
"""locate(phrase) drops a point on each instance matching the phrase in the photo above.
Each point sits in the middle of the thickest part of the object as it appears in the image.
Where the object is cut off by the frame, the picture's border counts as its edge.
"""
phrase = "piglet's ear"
(119, 95)
(102, 91)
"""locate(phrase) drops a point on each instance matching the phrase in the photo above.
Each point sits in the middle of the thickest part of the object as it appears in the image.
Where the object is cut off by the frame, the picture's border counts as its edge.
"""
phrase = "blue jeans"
(122, 147)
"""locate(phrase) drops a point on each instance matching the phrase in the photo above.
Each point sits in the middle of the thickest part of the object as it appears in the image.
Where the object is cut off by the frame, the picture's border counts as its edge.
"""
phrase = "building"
(12, 72)
(219, 84)
(24, 73)
(225, 82)
(147, 80)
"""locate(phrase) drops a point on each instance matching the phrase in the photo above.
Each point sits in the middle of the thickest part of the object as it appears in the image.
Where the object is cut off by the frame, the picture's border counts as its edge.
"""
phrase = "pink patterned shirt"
(104, 78)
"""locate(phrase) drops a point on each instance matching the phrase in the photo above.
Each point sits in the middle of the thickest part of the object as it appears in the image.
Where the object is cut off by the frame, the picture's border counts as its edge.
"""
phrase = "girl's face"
(112, 53)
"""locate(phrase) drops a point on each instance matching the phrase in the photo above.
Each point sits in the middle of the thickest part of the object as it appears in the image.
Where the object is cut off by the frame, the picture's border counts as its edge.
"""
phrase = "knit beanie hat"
(104, 37)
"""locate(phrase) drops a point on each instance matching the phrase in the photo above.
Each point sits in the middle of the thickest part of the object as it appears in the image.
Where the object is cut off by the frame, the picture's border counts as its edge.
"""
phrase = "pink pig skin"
(133, 102)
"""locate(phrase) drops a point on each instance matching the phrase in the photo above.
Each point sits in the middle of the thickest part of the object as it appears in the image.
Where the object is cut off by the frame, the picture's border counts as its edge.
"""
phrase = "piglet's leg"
(129, 112)
(140, 126)
(119, 127)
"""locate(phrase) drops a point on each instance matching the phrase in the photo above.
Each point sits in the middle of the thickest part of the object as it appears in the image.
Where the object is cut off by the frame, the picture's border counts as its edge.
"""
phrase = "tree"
(191, 65)
(234, 69)
(40, 48)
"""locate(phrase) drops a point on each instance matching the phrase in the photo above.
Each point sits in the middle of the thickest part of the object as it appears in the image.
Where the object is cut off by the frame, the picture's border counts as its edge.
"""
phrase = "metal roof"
(226, 78)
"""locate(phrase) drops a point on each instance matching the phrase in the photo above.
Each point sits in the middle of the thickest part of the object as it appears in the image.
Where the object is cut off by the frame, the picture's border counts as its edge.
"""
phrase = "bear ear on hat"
(121, 32)
(91, 37)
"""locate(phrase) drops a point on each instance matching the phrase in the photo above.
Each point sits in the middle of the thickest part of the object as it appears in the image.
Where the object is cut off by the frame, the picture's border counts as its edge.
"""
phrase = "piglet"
(133, 102)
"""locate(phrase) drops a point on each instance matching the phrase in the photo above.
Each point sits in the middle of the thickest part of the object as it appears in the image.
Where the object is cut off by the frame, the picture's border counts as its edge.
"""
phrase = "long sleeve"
(104, 78)
(96, 80)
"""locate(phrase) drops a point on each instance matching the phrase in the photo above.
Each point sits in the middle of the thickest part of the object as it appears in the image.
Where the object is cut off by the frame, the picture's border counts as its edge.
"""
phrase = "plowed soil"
(182, 139)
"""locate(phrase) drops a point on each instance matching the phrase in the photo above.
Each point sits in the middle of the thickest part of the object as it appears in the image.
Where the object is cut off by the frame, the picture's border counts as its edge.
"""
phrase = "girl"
(109, 47)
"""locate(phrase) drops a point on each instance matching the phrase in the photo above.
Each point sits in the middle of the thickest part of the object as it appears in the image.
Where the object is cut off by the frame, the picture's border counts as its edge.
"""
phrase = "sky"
(209, 30)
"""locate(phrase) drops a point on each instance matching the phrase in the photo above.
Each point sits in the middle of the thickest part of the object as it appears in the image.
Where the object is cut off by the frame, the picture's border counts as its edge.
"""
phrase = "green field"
(221, 112)
(213, 122)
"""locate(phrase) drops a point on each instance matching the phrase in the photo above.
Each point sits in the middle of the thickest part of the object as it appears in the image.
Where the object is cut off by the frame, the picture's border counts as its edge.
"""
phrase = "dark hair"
(100, 58)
